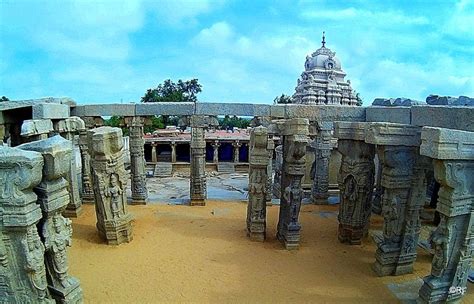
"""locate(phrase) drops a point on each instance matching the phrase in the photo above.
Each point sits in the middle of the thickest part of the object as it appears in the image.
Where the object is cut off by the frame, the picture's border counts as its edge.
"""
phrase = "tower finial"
(324, 39)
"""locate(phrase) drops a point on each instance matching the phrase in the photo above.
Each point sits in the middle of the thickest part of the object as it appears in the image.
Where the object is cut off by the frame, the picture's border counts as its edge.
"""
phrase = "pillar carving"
(320, 169)
(173, 152)
(377, 199)
(110, 180)
(453, 239)
(294, 149)
(87, 192)
(278, 167)
(215, 153)
(198, 161)
(22, 267)
(137, 160)
(153, 153)
(35, 129)
(258, 162)
(269, 183)
(55, 230)
(356, 181)
(69, 128)
(236, 146)
(403, 180)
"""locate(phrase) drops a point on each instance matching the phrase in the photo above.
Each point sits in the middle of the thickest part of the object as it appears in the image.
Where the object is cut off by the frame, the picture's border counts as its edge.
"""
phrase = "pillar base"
(69, 295)
(434, 291)
(256, 231)
(391, 263)
(321, 200)
(117, 231)
(139, 201)
(197, 202)
(291, 239)
(88, 201)
(350, 235)
(73, 213)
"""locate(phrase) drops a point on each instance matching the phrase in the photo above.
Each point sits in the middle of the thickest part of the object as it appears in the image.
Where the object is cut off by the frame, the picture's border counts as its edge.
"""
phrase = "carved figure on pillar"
(294, 149)
(198, 161)
(377, 199)
(87, 194)
(236, 146)
(110, 180)
(320, 169)
(137, 160)
(269, 184)
(215, 152)
(173, 152)
(258, 160)
(278, 167)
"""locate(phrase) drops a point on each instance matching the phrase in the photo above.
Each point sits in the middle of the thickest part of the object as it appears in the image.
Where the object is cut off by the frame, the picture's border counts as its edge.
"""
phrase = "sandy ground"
(202, 255)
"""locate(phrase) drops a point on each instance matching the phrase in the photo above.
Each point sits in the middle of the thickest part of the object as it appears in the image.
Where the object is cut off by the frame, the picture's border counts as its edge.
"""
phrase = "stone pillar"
(197, 187)
(87, 192)
(22, 269)
(356, 181)
(153, 153)
(110, 181)
(36, 129)
(377, 199)
(453, 239)
(295, 139)
(258, 162)
(68, 128)
(278, 167)
(320, 171)
(173, 152)
(403, 179)
(269, 183)
(215, 154)
(236, 146)
(137, 160)
(55, 230)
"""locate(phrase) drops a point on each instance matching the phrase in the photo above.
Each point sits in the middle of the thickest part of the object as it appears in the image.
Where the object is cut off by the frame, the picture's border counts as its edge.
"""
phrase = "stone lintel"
(239, 109)
(393, 134)
(295, 126)
(105, 140)
(441, 143)
(389, 114)
(117, 109)
(33, 127)
(325, 112)
(350, 130)
(50, 111)
(459, 118)
(164, 108)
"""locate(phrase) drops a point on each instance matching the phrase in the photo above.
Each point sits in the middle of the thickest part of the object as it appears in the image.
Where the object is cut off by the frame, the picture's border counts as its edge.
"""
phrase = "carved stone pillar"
(269, 184)
(453, 239)
(320, 170)
(215, 153)
(110, 181)
(278, 167)
(35, 129)
(87, 192)
(137, 160)
(68, 128)
(356, 181)
(198, 162)
(173, 152)
(22, 270)
(153, 153)
(377, 199)
(403, 179)
(295, 139)
(258, 162)
(55, 230)
(236, 146)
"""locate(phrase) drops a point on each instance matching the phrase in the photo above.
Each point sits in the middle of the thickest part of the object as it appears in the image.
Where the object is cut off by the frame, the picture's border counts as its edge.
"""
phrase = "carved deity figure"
(439, 243)
(115, 193)
(390, 214)
(292, 194)
(257, 189)
(35, 268)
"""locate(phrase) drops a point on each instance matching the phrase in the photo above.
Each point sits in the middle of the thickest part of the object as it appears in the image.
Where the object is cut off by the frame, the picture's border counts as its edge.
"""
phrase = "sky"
(240, 51)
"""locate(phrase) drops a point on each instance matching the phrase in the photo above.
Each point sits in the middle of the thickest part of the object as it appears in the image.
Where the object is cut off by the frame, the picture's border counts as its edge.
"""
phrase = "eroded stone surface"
(198, 161)
(137, 161)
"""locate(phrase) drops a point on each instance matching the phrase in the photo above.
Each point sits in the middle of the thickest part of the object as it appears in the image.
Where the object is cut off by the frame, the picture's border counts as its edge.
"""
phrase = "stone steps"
(163, 170)
(226, 168)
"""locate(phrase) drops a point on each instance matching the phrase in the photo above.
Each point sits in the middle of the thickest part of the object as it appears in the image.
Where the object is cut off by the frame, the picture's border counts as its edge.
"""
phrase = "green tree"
(283, 99)
(168, 91)
(233, 122)
(4, 98)
(359, 100)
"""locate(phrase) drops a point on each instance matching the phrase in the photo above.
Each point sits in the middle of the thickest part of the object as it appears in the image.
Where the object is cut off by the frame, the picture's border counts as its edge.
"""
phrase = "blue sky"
(241, 51)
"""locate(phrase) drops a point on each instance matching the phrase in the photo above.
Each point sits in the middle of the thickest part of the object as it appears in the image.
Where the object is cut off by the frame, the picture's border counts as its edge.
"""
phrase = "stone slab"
(389, 114)
(392, 134)
(117, 109)
(440, 143)
(164, 108)
(325, 112)
(295, 126)
(350, 130)
(458, 118)
(36, 127)
(238, 109)
(277, 111)
(50, 111)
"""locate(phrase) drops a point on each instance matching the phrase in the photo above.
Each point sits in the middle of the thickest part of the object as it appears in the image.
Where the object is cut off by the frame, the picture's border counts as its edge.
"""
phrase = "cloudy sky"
(241, 51)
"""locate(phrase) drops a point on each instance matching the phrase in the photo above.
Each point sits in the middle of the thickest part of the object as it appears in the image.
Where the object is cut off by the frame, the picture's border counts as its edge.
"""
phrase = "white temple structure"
(322, 81)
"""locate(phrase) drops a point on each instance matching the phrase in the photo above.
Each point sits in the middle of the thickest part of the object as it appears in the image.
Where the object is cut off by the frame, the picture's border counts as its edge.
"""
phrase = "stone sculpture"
(109, 181)
(276, 189)
(258, 161)
(356, 181)
(137, 160)
(320, 171)
(198, 161)
(87, 193)
(269, 184)
(55, 230)
(36, 129)
(294, 149)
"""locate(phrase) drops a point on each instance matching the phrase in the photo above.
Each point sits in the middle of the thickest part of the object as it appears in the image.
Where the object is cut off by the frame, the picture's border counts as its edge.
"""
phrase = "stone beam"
(165, 108)
(239, 109)
(50, 111)
(459, 118)
(389, 114)
(325, 112)
(117, 109)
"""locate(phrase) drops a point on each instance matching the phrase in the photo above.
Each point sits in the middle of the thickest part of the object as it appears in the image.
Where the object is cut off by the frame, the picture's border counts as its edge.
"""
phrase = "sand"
(201, 255)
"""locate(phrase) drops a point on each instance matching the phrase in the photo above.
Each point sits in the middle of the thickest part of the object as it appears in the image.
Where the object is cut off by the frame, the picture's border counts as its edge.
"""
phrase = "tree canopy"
(168, 91)
(4, 98)
(283, 99)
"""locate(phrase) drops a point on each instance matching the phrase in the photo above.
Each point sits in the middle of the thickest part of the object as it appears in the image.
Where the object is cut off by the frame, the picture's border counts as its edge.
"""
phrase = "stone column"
(269, 184)
(197, 187)
(68, 128)
(173, 152)
(403, 179)
(215, 155)
(236, 146)
(356, 181)
(55, 230)
(137, 160)
(258, 162)
(320, 171)
(295, 139)
(22, 270)
(278, 167)
(453, 239)
(110, 181)
(87, 192)
(377, 199)
(36, 129)
(153, 153)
